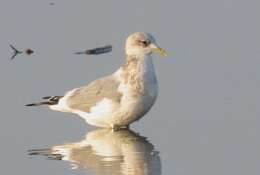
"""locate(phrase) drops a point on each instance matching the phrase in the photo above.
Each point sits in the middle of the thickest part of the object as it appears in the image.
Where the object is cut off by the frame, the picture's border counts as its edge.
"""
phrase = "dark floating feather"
(15, 51)
(97, 51)
(29, 51)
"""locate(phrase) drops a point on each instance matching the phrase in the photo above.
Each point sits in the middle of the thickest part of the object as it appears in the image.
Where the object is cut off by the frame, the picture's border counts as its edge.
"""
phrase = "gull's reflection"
(109, 152)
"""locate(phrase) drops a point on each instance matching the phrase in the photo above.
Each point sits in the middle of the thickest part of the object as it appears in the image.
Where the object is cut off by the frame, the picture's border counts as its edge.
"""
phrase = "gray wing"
(88, 96)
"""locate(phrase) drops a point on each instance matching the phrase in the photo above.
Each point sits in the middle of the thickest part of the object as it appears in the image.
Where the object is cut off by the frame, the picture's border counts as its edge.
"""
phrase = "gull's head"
(141, 43)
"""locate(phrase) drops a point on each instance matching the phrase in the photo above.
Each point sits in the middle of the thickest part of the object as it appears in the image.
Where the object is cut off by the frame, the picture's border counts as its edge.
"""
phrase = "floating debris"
(97, 51)
(52, 3)
(16, 51)
(29, 51)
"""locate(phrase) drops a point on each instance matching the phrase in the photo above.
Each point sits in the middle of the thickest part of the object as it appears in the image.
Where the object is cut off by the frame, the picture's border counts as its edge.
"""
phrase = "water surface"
(204, 122)
(108, 152)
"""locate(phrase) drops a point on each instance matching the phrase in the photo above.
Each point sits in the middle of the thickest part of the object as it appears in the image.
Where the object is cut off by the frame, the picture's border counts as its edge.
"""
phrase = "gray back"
(88, 96)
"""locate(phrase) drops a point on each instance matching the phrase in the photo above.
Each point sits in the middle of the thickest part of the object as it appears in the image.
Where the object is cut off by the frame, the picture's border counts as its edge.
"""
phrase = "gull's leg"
(115, 127)
(126, 126)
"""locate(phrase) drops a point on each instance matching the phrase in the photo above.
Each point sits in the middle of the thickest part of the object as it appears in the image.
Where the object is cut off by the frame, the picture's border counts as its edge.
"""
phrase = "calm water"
(205, 120)
(108, 152)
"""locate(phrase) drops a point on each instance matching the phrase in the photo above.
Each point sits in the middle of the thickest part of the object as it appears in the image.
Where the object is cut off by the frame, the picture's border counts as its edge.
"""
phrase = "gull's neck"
(139, 68)
(140, 63)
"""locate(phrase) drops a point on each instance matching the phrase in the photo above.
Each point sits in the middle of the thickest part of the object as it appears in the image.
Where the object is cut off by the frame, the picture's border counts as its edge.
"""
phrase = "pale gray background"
(206, 118)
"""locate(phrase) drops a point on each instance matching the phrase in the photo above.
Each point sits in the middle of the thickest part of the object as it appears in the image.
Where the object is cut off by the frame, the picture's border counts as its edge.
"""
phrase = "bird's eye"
(145, 42)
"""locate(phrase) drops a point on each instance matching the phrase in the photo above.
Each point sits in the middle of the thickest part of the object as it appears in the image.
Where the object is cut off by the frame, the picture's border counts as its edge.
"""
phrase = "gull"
(105, 151)
(119, 99)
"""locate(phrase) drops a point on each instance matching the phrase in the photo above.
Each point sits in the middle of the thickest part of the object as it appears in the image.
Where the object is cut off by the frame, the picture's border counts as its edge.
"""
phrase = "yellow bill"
(159, 51)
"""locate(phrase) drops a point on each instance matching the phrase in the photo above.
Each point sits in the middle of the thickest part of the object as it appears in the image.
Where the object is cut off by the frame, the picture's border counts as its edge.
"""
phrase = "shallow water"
(107, 152)
(205, 120)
